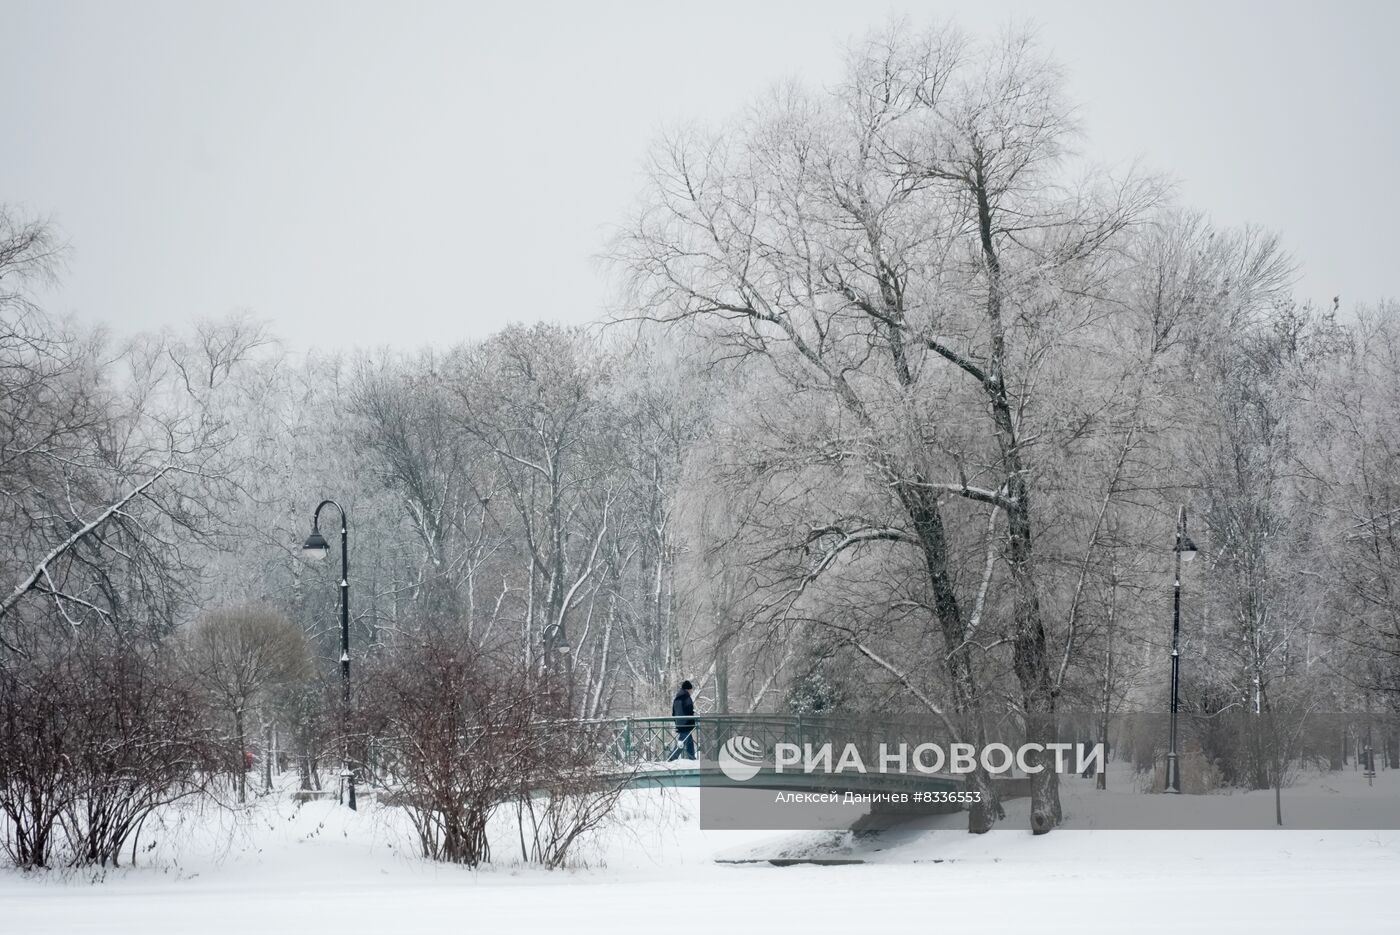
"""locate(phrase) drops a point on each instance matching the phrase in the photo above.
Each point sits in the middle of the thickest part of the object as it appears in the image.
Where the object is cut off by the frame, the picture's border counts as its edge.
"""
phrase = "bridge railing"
(635, 741)
(642, 740)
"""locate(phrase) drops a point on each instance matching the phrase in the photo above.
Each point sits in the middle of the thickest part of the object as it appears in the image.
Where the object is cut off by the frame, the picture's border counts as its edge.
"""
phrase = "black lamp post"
(554, 644)
(316, 549)
(1185, 549)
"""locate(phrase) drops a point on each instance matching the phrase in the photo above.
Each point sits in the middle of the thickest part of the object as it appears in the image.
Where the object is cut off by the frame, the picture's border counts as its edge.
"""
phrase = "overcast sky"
(413, 173)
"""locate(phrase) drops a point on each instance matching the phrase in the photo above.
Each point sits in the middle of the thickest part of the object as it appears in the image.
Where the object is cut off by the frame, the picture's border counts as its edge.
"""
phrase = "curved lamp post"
(1185, 549)
(316, 549)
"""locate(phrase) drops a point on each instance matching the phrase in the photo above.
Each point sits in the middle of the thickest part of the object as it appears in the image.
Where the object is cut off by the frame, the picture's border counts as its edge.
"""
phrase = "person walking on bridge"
(683, 710)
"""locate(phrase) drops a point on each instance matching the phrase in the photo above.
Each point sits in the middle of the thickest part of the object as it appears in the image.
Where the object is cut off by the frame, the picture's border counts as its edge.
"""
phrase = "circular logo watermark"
(741, 758)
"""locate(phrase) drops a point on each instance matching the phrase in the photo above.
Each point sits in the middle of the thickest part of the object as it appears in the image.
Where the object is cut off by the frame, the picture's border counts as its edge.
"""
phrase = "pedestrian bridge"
(644, 753)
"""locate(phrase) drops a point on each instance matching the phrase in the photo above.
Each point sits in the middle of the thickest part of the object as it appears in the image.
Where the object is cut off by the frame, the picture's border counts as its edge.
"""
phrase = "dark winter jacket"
(683, 710)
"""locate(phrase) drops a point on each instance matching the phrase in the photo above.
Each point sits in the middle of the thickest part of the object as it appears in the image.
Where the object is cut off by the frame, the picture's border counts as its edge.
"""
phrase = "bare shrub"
(36, 782)
(462, 732)
(97, 734)
(555, 817)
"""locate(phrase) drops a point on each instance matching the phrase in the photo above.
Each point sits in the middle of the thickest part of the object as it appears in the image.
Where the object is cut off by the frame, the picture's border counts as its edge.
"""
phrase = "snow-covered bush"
(97, 732)
(461, 732)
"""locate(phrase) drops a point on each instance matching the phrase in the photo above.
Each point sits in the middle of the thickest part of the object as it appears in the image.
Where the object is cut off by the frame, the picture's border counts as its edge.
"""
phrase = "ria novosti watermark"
(1239, 769)
(742, 758)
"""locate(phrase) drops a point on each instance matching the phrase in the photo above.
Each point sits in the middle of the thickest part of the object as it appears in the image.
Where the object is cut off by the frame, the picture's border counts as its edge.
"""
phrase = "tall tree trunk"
(1106, 693)
(922, 507)
(1029, 660)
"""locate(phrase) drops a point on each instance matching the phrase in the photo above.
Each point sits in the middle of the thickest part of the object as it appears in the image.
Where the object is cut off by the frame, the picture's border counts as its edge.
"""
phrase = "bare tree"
(111, 476)
(919, 216)
(238, 655)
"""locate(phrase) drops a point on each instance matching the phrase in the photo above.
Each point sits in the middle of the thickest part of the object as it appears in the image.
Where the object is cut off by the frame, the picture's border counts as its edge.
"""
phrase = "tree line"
(901, 405)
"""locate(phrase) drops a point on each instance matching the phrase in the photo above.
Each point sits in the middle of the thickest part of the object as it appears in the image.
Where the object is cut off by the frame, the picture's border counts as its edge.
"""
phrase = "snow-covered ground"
(282, 868)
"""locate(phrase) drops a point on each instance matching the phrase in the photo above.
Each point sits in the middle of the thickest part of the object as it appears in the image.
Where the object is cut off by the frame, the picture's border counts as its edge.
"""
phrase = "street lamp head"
(1187, 548)
(316, 547)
